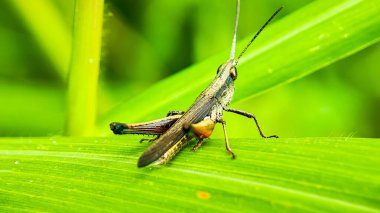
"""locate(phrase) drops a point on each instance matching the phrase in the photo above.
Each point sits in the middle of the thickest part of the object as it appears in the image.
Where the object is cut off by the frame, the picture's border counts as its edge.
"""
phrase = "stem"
(84, 67)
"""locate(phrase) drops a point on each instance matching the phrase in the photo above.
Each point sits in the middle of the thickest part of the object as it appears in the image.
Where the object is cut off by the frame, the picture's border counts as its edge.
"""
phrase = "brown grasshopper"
(175, 130)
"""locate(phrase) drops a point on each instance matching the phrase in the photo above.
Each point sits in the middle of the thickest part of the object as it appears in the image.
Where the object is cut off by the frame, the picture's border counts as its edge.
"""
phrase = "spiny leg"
(249, 115)
(226, 139)
(196, 146)
(149, 139)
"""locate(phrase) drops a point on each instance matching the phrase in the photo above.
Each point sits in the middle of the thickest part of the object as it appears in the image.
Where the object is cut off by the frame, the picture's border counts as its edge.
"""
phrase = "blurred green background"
(145, 41)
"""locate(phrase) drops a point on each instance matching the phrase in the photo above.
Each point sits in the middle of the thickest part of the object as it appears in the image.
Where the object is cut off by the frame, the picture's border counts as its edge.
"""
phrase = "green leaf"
(292, 47)
(97, 174)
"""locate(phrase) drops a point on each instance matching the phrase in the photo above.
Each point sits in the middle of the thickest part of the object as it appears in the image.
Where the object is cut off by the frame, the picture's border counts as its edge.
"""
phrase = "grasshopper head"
(228, 67)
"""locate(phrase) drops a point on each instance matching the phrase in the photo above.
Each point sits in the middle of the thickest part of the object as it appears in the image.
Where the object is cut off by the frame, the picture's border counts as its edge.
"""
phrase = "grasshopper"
(175, 130)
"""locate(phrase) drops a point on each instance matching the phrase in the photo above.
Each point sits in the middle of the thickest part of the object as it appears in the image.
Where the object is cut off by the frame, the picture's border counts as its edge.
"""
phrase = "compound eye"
(219, 68)
(233, 73)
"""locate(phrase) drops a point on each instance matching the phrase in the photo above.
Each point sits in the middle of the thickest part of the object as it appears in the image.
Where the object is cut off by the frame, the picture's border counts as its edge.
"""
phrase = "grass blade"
(49, 29)
(97, 174)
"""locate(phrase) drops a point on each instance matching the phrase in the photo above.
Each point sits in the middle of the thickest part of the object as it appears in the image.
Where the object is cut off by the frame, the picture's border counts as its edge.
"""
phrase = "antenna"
(233, 46)
(257, 34)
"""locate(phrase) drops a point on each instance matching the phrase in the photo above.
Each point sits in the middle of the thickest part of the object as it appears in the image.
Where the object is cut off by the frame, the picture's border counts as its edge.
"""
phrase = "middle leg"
(228, 148)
